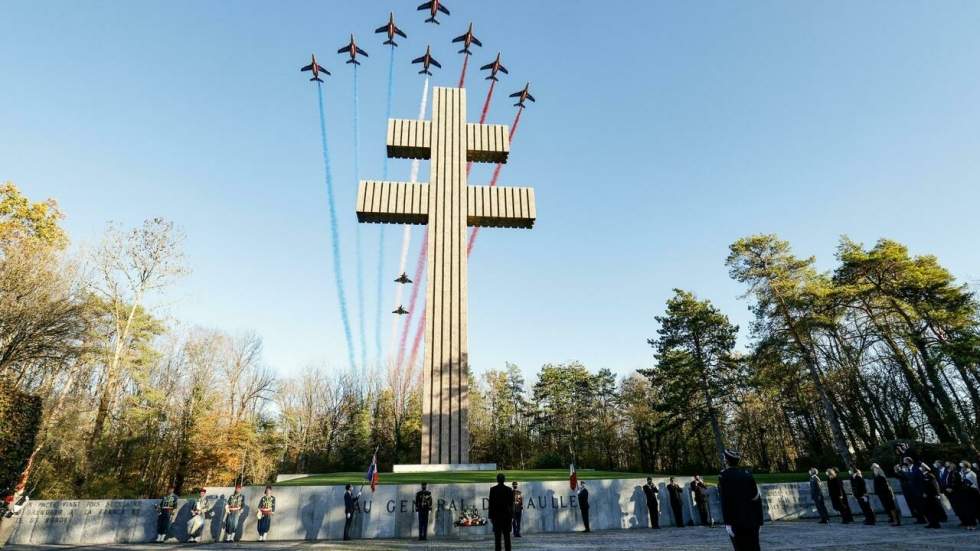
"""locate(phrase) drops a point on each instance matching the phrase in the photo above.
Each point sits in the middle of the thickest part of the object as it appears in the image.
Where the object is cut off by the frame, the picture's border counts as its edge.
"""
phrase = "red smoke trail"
(493, 180)
(418, 339)
(462, 75)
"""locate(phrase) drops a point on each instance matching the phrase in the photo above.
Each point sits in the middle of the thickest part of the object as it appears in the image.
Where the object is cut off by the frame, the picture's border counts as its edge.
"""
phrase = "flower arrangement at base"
(470, 517)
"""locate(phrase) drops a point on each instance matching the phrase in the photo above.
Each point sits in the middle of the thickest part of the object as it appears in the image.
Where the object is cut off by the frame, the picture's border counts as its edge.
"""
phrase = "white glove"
(348, 515)
(731, 533)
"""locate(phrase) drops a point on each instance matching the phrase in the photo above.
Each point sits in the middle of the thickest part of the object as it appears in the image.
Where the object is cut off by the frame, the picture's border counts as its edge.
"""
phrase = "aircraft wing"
(487, 66)
(517, 94)
(442, 8)
(433, 61)
(425, 6)
(322, 70)
(530, 97)
(307, 68)
(477, 41)
(400, 33)
(504, 70)
(418, 59)
(344, 50)
(362, 52)
(459, 39)
(381, 29)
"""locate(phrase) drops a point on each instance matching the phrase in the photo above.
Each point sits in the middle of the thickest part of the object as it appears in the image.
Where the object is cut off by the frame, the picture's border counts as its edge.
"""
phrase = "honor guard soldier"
(267, 506)
(583, 505)
(423, 505)
(653, 503)
(518, 509)
(165, 509)
(350, 506)
(200, 510)
(232, 511)
(741, 504)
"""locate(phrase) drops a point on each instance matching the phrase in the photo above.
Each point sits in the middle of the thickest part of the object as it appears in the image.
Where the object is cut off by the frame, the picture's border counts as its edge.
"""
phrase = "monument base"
(444, 467)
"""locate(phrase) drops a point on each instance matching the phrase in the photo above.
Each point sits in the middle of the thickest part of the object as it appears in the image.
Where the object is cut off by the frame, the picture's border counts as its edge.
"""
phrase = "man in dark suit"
(423, 505)
(518, 509)
(653, 504)
(741, 504)
(583, 504)
(350, 506)
(501, 512)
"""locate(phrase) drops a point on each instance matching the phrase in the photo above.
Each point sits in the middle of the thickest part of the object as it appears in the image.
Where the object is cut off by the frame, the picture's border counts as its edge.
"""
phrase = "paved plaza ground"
(779, 535)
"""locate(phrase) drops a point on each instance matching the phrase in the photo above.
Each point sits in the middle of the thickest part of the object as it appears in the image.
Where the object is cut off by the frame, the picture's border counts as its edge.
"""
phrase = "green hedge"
(20, 419)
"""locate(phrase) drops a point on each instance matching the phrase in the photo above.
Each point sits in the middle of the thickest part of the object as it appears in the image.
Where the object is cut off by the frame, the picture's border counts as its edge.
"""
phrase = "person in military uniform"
(233, 509)
(500, 505)
(741, 504)
(653, 503)
(674, 491)
(700, 493)
(860, 490)
(423, 506)
(518, 509)
(817, 495)
(200, 510)
(267, 506)
(165, 509)
(350, 507)
(583, 505)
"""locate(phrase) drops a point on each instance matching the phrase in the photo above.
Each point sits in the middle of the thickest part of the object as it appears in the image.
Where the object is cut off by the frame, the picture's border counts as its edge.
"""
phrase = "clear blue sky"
(663, 132)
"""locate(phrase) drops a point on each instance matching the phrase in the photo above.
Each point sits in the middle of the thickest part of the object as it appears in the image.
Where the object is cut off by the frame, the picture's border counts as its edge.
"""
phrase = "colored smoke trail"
(381, 230)
(358, 255)
(462, 75)
(493, 179)
(334, 230)
(418, 340)
(406, 241)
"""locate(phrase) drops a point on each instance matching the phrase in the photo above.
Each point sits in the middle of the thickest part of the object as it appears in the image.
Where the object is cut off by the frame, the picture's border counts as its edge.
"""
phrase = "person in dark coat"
(916, 490)
(423, 506)
(902, 474)
(700, 493)
(653, 503)
(518, 510)
(350, 506)
(583, 505)
(817, 495)
(860, 490)
(741, 504)
(838, 496)
(968, 495)
(674, 491)
(886, 495)
(501, 510)
(931, 496)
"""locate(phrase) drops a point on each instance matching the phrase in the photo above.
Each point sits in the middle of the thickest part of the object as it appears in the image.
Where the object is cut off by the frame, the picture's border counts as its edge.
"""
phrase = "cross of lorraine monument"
(448, 205)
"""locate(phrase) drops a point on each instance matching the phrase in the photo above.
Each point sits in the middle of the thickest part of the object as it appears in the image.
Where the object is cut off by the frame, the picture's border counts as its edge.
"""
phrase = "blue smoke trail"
(357, 234)
(381, 233)
(334, 231)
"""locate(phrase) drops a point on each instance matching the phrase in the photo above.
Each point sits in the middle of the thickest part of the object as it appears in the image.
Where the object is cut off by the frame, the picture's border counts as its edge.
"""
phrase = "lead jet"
(391, 29)
(523, 96)
(467, 39)
(316, 68)
(353, 50)
(426, 60)
(403, 279)
(495, 66)
(434, 7)
(400, 311)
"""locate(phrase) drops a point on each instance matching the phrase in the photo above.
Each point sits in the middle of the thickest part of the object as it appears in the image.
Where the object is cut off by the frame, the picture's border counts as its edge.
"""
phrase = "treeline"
(886, 346)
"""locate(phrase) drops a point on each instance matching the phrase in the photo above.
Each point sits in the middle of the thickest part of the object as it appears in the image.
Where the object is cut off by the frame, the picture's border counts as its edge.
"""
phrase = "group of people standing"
(675, 493)
(202, 508)
(924, 489)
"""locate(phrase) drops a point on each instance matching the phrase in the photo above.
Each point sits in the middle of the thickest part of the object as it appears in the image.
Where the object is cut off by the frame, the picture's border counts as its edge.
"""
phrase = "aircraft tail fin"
(493, 78)
(318, 79)
(354, 61)
(425, 72)
(465, 51)
(432, 20)
(389, 41)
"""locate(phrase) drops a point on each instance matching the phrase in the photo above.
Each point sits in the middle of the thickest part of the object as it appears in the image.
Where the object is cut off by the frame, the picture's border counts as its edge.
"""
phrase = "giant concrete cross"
(448, 205)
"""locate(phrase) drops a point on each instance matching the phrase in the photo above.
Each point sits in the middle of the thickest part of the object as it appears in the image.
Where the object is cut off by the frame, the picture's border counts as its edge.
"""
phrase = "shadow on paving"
(781, 535)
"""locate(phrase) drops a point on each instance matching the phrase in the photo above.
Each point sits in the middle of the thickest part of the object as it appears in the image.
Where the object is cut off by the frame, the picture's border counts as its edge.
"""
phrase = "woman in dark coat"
(838, 497)
(967, 495)
(931, 492)
(886, 495)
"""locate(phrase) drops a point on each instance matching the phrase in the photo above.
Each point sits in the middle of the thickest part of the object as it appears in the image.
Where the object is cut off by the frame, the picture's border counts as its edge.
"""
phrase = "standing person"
(350, 507)
(886, 495)
(267, 506)
(518, 509)
(583, 504)
(969, 496)
(860, 490)
(165, 511)
(741, 504)
(232, 511)
(200, 510)
(916, 489)
(953, 491)
(674, 492)
(653, 503)
(423, 505)
(838, 497)
(902, 474)
(700, 493)
(931, 496)
(501, 505)
(817, 495)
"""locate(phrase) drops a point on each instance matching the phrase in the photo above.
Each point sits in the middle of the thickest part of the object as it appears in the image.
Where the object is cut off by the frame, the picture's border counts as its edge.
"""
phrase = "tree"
(694, 359)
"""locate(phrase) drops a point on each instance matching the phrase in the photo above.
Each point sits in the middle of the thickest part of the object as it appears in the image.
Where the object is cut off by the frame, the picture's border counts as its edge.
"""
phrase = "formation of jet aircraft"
(391, 29)
(353, 50)
(316, 68)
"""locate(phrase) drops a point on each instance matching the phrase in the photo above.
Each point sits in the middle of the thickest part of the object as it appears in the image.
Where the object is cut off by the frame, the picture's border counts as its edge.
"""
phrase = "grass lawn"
(488, 477)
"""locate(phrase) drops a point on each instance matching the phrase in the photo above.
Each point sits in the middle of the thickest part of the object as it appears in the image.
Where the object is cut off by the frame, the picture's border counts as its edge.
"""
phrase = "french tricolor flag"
(372, 472)
(572, 476)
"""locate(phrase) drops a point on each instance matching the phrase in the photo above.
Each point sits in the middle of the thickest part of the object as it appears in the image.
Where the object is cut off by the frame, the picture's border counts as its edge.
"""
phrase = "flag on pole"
(372, 472)
(572, 476)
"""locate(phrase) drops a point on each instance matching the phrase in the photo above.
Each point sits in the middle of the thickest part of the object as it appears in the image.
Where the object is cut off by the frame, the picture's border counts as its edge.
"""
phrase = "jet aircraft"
(403, 279)
(400, 311)
(427, 60)
(494, 67)
(523, 96)
(392, 30)
(353, 50)
(316, 68)
(467, 39)
(434, 7)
